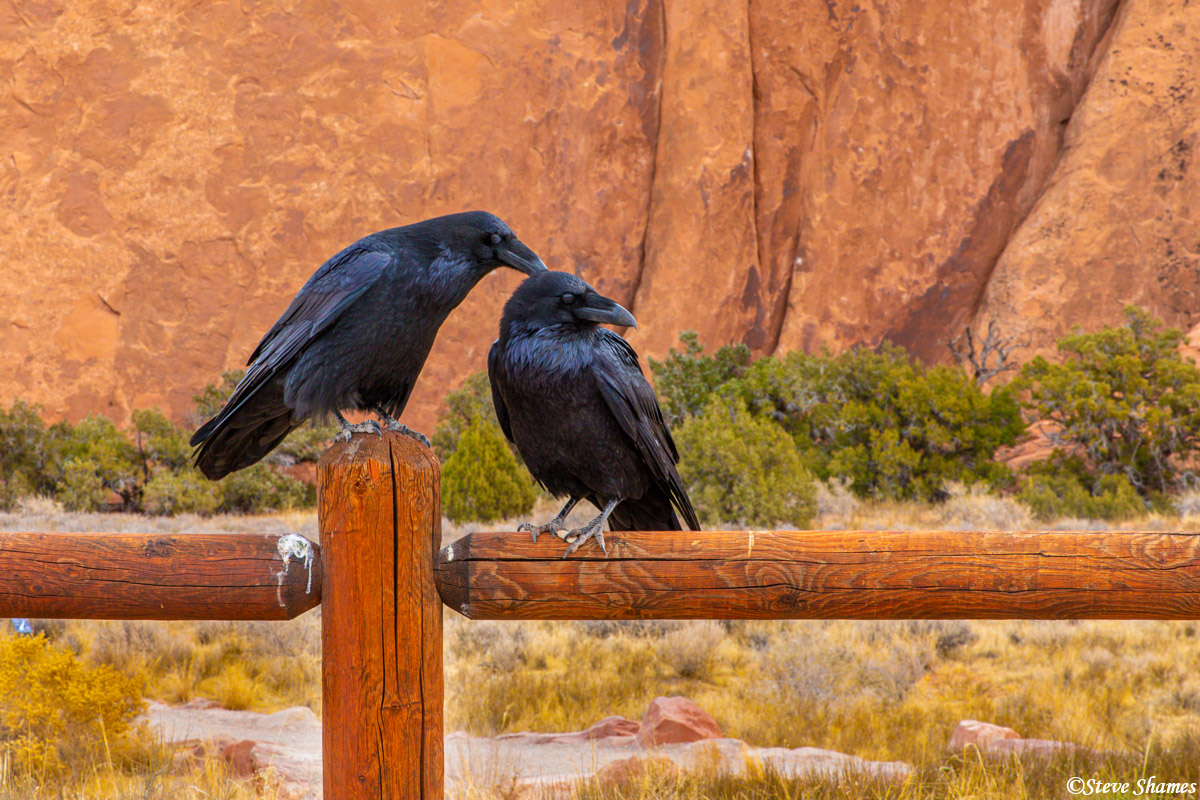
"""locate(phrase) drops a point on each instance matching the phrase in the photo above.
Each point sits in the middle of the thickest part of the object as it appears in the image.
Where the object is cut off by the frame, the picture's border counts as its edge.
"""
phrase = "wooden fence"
(381, 581)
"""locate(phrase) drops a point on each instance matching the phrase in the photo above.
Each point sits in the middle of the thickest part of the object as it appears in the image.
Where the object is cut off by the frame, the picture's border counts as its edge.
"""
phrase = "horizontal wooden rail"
(827, 575)
(157, 576)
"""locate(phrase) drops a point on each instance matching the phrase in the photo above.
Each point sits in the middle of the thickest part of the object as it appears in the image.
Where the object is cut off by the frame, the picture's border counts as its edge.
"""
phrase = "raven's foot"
(593, 530)
(396, 426)
(409, 432)
(581, 535)
(557, 526)
(553, 526)
(348, 430)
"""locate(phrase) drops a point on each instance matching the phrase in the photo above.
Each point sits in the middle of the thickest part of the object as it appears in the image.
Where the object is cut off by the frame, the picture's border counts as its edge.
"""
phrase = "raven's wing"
(339, 282)
(632, 401)
(495, 368)
(328, 293)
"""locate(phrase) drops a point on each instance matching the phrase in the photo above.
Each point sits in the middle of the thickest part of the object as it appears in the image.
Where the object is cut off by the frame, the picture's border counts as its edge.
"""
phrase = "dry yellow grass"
(150, 777)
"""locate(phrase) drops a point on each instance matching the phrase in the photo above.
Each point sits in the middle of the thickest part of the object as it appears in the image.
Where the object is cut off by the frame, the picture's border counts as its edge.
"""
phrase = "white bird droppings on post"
(290, 546)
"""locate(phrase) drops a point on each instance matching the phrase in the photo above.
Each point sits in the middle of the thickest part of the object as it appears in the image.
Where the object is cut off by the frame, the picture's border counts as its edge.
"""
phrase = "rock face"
(788, 174)
(1116, 222)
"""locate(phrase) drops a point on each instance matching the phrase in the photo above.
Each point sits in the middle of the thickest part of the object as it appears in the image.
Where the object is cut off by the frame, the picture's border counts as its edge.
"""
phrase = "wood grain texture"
(379, 513)
(827, 575)
(154, 576)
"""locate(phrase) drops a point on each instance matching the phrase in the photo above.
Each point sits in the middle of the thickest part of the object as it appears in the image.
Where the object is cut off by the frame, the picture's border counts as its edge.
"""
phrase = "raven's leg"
(348, 430)
(393, 424)
(553, 526)
(594, 528)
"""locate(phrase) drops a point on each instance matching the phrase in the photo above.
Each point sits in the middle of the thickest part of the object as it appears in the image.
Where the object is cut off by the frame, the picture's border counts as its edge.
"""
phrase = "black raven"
(571, 396)
(357, 335)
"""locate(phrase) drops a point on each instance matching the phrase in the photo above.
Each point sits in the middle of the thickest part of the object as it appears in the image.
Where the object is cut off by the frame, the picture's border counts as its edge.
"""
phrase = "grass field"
(887, 691)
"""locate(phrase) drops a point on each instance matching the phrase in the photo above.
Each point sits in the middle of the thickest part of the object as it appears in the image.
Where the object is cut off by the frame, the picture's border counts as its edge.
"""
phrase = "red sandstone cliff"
(789, 174)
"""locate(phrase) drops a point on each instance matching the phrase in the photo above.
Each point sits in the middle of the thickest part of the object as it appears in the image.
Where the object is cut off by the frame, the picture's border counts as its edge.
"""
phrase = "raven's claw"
(399, 427)
(553, 526)
(594, 529)
(589, 531)
(396, 426)
(348, 430)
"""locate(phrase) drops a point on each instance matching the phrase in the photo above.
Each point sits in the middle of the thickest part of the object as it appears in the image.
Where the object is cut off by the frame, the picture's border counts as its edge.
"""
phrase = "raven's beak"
(516, 255)
(600, 309)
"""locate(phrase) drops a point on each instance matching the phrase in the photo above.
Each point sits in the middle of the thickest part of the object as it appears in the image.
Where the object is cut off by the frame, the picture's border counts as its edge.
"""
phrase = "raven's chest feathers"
(561, 422)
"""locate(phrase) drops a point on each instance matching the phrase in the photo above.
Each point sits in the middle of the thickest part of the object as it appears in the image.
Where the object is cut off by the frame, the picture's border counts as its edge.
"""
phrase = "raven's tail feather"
(651, 512)
(242, 433)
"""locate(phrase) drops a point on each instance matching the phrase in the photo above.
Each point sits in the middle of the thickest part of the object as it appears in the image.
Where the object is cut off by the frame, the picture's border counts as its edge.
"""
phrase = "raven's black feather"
(357, 333)
(572, 397)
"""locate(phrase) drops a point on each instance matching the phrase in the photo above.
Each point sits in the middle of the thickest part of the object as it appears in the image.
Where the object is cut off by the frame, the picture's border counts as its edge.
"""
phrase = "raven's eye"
(496, 238)
(567, 299)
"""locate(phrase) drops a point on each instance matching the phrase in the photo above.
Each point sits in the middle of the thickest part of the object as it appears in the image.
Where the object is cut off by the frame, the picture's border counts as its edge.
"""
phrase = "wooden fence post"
(379, 513)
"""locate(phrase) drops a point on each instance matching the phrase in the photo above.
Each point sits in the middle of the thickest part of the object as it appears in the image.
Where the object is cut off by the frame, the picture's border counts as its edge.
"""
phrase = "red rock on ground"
(192, 753)
(617, 730)
(675, 720)
(812, 762)
(201, 704)
(1041, 748)
(996, 740)
(240, 758)
(629, 770)
(982, 735)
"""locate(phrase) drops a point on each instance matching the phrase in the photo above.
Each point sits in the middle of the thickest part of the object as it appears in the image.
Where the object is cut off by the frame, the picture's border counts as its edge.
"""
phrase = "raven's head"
(560, 299)
(487, 243)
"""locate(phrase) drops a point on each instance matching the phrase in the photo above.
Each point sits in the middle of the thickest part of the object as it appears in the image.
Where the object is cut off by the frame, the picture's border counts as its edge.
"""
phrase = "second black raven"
(572, 397)
(357, 334)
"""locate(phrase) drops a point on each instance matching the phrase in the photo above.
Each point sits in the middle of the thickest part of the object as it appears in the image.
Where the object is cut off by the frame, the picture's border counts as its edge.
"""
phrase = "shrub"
(96, 459)
(973, 508)
(949, 634)
(147, 467)
(23, 453)
(161, 444)
(685, 380)
(1126, 398)
(260, 488)
(184, 492)
(489, 646)
(691, 648)
(482, 479)
(1063, 486)
(745, 469)
(834, 497)
(885, 424)
(55, 709)
(472, 400)
(80, 488)
(1187, 504)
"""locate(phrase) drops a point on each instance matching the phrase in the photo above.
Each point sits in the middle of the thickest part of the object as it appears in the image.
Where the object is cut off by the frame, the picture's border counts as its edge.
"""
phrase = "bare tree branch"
(988, 358)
